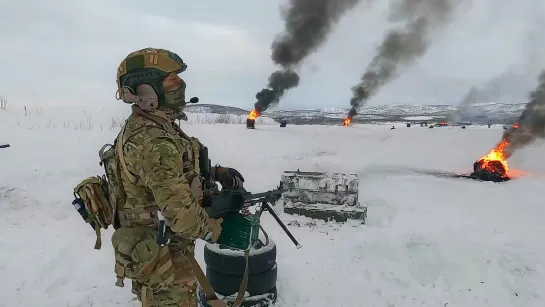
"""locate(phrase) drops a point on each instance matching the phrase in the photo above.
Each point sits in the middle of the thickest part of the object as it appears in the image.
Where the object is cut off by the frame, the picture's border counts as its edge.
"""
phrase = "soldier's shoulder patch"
(155, 132)
(162, 151)
(144, 133)
(164, 145)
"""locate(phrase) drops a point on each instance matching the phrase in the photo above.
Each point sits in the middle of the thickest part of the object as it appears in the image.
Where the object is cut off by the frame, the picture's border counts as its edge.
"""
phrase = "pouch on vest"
(92, 203)
(97, 198)
(138, 257)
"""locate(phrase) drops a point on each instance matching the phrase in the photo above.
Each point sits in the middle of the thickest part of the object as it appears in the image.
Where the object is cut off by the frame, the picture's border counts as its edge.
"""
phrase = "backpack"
(98, 197)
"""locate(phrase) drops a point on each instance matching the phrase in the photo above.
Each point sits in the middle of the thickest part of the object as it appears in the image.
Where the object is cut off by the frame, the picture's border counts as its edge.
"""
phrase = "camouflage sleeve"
(162, 173)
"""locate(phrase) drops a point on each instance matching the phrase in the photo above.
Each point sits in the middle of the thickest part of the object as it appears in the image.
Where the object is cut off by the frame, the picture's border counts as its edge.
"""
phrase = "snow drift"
(427, 242)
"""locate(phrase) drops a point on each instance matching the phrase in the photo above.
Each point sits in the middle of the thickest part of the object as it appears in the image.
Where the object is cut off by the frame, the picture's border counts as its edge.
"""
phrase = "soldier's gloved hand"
(228, 177)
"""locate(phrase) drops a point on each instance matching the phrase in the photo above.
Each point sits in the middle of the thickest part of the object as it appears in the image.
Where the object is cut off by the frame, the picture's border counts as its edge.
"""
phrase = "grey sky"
(67, 52)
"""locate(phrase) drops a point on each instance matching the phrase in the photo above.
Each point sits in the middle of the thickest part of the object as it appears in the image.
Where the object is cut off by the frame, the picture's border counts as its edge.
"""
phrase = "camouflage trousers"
(183, 292)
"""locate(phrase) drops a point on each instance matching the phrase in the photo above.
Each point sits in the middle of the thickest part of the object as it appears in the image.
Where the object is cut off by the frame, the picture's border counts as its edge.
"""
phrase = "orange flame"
(347, 121)
(253, 115)
(496, 154)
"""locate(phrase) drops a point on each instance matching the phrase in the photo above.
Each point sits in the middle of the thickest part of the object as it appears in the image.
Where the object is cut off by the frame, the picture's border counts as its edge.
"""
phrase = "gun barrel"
(273, 194)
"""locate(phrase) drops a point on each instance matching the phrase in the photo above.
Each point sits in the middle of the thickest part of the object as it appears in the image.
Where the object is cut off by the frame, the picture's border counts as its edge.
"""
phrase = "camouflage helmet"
(148, 66)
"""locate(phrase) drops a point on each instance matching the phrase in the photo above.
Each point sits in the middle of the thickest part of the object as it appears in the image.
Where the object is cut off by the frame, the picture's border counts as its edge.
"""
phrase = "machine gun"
(232, 201)
(228, 205)
(239, 226)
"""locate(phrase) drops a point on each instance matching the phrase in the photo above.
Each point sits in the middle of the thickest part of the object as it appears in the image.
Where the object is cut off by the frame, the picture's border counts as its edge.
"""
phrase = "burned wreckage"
(490, 170)
(494, 166)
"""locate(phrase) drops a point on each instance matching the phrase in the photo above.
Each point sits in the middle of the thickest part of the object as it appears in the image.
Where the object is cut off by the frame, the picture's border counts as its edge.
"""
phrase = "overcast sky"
(67, 52)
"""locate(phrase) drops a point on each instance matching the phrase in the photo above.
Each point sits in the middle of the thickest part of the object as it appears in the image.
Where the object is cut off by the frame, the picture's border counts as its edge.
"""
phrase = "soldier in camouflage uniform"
(160, 174)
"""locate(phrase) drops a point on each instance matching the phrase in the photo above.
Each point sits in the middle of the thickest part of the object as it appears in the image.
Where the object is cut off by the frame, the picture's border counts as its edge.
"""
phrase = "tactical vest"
(134, 211)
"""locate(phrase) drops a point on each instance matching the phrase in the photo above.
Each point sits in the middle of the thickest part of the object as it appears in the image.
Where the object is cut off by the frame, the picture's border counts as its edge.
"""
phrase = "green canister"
(239, 231)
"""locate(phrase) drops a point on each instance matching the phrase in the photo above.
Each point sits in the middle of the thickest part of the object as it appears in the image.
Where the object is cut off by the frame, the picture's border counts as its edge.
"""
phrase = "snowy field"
(428, 241)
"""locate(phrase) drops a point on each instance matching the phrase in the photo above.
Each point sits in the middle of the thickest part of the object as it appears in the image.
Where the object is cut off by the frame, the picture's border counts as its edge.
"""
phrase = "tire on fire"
(493, 171)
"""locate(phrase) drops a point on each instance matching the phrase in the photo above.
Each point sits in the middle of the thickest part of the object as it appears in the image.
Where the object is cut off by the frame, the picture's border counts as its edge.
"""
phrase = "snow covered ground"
(428, 242)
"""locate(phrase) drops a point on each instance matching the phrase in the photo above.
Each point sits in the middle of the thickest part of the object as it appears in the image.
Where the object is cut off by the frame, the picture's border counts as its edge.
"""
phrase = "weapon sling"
(211, 297)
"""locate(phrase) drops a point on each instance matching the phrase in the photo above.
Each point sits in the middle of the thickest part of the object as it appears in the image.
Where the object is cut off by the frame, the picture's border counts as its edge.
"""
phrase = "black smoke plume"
(403, 45)
(307, 24)
(531, 123)
(506, 86)
(279, 82)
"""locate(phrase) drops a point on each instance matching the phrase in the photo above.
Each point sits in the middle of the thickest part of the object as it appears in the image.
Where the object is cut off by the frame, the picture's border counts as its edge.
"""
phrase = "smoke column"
(307, 25)
(491, 91)
(531, 123)
(403, 45)
(496, 89)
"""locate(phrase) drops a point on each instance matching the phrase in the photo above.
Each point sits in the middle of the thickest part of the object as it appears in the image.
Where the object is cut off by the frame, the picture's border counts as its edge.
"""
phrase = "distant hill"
(215, 109)
(482, 113)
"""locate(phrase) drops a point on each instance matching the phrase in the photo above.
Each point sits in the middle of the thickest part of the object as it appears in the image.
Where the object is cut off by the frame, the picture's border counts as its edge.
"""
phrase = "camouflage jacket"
(163, 173)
